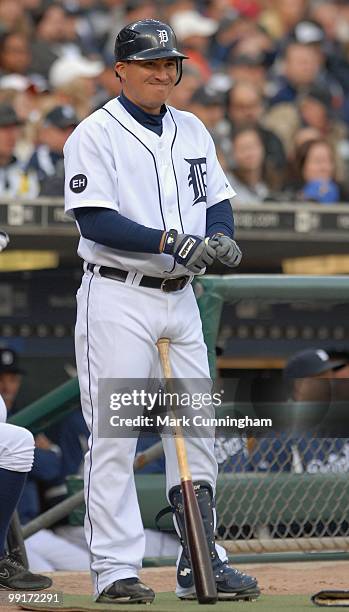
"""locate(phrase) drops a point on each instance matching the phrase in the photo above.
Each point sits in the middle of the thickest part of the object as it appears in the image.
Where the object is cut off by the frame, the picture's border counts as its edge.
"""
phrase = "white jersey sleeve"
(90, 168)
(3, 411)
(218, 186)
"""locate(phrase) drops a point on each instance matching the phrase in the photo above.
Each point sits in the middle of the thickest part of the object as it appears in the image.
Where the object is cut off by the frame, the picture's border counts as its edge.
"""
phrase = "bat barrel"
(205, 584)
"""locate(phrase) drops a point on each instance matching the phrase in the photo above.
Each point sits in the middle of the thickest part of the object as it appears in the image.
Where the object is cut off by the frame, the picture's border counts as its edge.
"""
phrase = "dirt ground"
(282, 579)
(303, 578)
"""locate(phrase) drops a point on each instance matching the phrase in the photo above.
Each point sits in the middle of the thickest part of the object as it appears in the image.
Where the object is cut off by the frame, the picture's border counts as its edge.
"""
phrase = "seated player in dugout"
(151, 203)
(16, 460)
(321, 375)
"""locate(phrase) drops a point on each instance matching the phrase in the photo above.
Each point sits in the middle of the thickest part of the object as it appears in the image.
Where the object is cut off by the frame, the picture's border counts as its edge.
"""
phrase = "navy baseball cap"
(62, 117)
(208, 96)
(9, 362)
(244, 59)
(310, 363)
(8, 116)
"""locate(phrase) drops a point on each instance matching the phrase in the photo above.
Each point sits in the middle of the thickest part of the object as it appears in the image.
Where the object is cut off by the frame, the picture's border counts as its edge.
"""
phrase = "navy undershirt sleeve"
(113, 230)
(220, 218)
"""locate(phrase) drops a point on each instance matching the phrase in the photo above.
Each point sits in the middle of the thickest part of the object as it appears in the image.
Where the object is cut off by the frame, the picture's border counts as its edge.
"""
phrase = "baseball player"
(16, 460)
(152, 206)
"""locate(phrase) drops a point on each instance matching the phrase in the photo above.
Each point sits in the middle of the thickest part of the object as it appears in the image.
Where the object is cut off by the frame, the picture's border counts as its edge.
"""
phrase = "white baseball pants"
(117, 328)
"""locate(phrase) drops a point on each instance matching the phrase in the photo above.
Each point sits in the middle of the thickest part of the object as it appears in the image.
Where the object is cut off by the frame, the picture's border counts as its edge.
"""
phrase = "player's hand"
(227, 251)
(191, 251)
(4, 240)
(42, 441)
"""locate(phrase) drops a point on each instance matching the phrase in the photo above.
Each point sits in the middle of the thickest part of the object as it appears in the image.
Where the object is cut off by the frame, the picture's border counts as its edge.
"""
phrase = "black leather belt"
(152, 282)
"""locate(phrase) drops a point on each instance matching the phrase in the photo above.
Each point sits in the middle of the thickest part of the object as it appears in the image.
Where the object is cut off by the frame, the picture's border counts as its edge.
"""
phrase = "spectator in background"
(49, 39)
(304, 65)
(304, 134)
(315, 174)
(301, 67)
(170, 7)
(47, 158)
(107, 87)
(343, 22)
(237, 34)
(208, 104)
(251, 175)
(282, 15)
(194, 32)
(78, 33)
(257, 42)
(74, 82)
(27, 95)
(249, 68)
(327, 15)
(14, 181)
(13, 17)
(301, 136)
(246, 106)
(313, 110)
(88, 22)
(180, 97)
(140, 9)
(15, 53)
(219, 10)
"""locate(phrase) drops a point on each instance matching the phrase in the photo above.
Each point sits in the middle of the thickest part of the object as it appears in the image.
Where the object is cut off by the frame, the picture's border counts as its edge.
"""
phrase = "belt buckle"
(174, 283)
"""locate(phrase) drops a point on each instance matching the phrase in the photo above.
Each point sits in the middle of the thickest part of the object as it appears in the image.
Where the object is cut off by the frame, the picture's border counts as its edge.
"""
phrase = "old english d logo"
(197, 178)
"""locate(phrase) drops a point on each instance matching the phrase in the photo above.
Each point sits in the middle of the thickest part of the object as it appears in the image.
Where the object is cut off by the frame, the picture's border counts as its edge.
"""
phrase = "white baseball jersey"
(165, 182)
(3, 411)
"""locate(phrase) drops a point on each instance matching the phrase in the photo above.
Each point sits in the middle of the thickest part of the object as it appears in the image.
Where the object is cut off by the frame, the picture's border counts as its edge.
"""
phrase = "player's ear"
(120, 70)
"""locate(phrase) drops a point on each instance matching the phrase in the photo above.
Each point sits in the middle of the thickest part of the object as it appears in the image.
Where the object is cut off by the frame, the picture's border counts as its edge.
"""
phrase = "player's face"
(148, 83)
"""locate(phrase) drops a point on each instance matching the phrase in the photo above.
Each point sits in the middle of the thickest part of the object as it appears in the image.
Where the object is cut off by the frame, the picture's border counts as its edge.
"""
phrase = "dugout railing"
(258, 512)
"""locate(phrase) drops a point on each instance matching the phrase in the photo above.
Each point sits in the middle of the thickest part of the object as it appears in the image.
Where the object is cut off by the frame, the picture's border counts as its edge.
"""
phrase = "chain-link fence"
(282, 488)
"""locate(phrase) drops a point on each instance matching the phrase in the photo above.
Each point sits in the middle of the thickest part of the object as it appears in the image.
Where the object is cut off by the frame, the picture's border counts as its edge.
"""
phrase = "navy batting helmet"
(148, 39)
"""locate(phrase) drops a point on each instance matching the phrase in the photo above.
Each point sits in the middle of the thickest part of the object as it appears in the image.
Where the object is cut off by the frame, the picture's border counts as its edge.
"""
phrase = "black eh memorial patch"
(78, 183)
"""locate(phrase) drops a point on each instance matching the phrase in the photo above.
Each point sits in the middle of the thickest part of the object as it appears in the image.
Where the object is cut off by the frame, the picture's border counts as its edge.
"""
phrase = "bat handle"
(163, 345)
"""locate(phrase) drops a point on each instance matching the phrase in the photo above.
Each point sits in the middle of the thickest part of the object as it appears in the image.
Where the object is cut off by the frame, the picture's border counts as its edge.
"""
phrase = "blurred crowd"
(269, 78)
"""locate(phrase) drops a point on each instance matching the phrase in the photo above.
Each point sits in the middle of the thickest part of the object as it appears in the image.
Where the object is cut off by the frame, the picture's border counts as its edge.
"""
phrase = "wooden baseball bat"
(204, 580)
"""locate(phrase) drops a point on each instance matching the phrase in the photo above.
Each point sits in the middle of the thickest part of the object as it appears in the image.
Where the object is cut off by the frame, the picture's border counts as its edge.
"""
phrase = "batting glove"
(227, 251)
(4, 240)
(188, 250)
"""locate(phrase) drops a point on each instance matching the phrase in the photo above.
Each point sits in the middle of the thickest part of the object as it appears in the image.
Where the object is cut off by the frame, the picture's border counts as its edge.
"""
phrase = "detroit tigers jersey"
(165, 182)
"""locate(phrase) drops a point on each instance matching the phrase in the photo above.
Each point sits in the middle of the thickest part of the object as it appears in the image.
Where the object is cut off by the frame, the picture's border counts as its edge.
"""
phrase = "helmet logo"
(163, 35)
